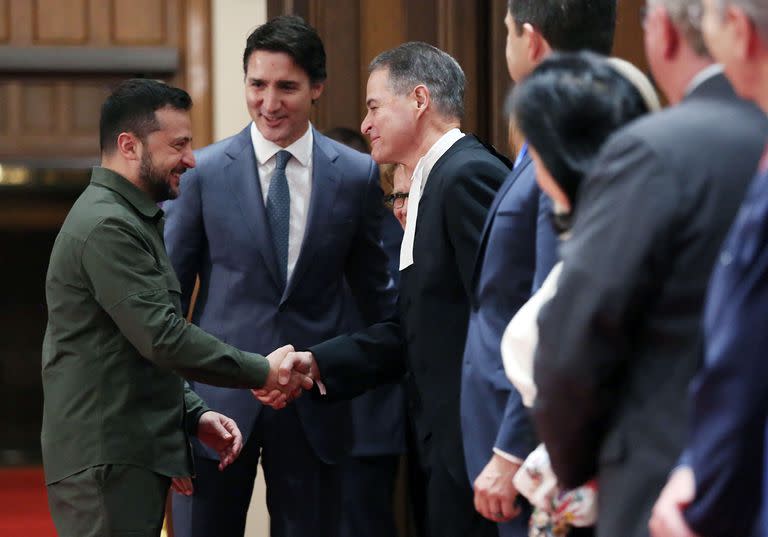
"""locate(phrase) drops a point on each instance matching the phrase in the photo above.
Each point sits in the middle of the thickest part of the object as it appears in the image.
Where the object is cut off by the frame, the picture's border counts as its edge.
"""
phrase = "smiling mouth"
(272, 120)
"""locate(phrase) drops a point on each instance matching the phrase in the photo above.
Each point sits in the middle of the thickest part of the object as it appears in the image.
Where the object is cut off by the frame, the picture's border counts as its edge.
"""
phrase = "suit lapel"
(505, 186)
(242, 175)
(326, 178)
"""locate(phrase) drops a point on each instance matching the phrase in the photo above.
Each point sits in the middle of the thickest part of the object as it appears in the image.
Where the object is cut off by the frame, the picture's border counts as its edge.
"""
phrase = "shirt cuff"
(321, 387)
(508, 456)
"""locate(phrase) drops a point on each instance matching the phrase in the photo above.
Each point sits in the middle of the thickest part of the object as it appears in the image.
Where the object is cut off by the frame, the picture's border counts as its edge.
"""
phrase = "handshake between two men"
(290, 373)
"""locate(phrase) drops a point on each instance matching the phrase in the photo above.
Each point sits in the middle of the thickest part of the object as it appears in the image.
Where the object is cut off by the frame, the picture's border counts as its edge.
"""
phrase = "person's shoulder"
(698, 122)
(94, 206)
(340, 153)
(469, 158)
(212, 155)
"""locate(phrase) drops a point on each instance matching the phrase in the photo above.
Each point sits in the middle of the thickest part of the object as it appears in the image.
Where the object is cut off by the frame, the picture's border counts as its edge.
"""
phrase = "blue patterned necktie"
(278, 211)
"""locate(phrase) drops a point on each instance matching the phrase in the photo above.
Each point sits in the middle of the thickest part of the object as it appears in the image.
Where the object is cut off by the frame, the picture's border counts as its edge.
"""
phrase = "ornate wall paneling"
(59, 58)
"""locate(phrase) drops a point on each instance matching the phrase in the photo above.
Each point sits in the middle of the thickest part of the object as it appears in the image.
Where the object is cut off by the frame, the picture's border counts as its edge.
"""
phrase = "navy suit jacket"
(517, 250)
(730, 395)
(218, 229)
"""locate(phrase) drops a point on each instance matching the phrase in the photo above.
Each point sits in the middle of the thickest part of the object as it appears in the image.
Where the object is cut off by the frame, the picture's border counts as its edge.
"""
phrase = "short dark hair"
(131, 108)
(416, 63)
(569, 25)
(293, 36)
(349, 137)
(568, 107)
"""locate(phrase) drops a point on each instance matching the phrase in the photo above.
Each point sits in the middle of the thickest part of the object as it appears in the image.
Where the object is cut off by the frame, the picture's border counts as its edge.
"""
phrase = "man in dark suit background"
(517, 250)
(277, 221)
(415, 105)
(621, 339)
(720, 490)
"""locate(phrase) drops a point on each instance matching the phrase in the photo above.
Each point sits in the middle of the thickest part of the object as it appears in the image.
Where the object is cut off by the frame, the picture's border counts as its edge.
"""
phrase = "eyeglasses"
(396, 200)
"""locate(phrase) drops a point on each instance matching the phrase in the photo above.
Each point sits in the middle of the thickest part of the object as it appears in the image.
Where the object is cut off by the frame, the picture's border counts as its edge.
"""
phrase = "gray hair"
(686, 15)
(415, 63)
(756, 10)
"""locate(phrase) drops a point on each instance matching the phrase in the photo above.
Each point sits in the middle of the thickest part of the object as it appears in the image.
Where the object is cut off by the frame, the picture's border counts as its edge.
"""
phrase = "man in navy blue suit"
(719, 491)
(277, 221)
(517, 251)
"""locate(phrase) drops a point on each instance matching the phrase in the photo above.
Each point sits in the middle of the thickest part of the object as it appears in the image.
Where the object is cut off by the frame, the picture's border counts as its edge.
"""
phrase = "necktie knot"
(281, 159)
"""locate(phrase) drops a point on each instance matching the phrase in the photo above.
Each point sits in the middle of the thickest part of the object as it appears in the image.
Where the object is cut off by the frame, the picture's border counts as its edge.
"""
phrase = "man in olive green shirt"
(117, 411)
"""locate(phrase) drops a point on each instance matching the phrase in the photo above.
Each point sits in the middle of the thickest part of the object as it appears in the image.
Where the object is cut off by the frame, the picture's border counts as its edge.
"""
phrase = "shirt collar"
(133, 194)
(265, 149)
(438, 149)
(702, 76)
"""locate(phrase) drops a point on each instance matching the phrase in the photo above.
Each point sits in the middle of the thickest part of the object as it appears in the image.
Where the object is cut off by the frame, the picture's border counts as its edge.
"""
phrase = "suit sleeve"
(366, 266)
(194, 407)
(517, 435)
(468, 196)
(726, 447)
(352, 364)
(625, 211)
(185, 234)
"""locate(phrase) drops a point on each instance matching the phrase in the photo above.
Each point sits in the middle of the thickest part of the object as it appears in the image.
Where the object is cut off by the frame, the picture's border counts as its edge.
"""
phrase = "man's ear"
(129, 146)
(421, 98)
(746, 39)
(316, 90)
(671, 36)
(538, 48)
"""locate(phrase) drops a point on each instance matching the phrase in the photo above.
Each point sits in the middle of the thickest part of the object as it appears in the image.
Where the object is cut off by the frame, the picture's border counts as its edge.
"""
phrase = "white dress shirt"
(418, 182)
(298, 172)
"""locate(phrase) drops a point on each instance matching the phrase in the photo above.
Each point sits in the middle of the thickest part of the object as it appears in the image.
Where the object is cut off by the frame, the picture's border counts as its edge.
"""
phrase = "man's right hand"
(667, 516)
(495, 494)
(284, 384)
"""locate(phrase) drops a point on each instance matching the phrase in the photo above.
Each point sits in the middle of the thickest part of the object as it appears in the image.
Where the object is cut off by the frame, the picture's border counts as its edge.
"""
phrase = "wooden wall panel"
(83, 107)
(99, 15)
(382, 27)
(197, 68)
(628, 43)
(60, 22)
(339, 105)
(461, 33)
(5, 21)
(38, 108)
(499, 82)
(21, 22)
(139, 22)
(3, 108)
(56, 114)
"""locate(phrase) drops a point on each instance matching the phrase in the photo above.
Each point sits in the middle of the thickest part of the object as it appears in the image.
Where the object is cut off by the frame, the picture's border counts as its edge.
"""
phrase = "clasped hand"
(290, 373)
